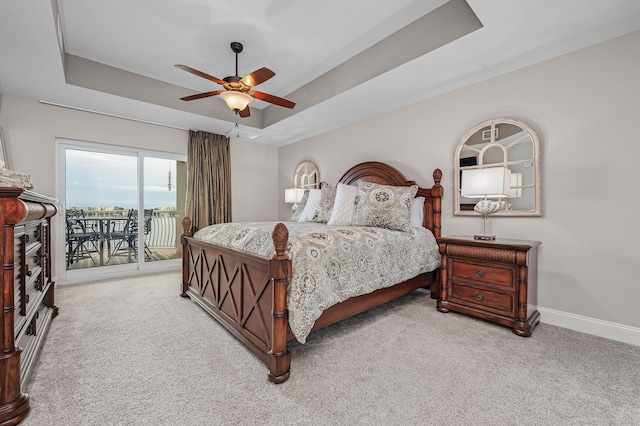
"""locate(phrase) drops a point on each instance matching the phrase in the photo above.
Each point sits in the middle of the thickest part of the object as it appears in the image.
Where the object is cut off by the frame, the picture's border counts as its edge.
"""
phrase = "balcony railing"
(163, 225)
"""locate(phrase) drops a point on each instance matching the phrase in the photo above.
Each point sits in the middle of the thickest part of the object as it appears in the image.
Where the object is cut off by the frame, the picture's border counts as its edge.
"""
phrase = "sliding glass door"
(122, 209)
(101, 194)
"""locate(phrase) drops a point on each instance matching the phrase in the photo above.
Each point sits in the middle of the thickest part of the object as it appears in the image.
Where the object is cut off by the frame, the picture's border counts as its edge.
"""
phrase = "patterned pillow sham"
(322, 212)
(301, 205)
(384, 206)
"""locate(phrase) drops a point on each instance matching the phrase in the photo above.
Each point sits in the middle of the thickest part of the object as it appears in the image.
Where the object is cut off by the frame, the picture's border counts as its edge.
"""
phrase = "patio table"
(104, 229)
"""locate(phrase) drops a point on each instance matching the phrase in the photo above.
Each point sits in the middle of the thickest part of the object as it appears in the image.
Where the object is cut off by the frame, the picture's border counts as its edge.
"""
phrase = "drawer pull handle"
(479, 297)
(480, 273)
(26, 299)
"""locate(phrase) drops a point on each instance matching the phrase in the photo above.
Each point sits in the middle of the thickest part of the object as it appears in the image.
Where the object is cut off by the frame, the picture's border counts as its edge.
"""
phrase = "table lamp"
(293, 195)
(486, 183)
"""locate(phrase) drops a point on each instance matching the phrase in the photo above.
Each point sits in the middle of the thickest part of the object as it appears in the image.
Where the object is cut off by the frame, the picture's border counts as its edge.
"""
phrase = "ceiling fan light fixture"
(238, 93)
(237, 101)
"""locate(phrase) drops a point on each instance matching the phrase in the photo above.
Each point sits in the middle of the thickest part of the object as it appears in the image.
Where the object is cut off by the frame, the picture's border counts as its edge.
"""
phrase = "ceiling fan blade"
(201, 95)
(273, 99)
(257, 77)
(245, 112)
(200, 73)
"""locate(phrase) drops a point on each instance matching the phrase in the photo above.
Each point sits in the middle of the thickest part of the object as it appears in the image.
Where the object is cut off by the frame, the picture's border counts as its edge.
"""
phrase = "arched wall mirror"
(306, 175)
(502, 142)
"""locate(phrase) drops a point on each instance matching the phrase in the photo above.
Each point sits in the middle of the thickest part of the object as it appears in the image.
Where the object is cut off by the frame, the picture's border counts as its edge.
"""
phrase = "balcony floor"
(162, 253)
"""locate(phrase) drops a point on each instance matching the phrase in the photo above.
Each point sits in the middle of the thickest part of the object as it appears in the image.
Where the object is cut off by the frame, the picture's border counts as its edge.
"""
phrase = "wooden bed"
(247, 293)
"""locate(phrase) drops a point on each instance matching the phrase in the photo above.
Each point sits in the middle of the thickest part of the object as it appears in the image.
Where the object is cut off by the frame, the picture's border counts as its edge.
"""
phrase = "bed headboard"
(384, 174)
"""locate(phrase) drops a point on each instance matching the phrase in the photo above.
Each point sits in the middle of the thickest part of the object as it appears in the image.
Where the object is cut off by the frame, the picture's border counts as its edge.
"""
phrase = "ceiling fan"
(238, 92)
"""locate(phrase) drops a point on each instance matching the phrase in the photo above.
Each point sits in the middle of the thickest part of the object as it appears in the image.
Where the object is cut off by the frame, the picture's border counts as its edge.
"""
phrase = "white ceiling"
(328, 56)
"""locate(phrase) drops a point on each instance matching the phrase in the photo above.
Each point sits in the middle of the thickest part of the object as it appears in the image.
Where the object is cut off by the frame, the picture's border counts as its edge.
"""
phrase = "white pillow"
(417, 211)
(344, 205)
(313, 202)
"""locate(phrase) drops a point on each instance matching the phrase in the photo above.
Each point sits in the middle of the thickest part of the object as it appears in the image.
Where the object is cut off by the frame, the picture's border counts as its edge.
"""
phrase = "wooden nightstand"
(492, 280)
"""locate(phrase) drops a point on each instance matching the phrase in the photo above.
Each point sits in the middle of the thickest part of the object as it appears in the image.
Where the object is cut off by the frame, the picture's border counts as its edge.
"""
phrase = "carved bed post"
(436, 192)
(436, 226)
(186, 232)
(279, 358)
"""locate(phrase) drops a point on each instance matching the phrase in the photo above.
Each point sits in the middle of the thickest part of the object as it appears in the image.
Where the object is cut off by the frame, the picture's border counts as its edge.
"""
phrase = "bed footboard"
(246, 293)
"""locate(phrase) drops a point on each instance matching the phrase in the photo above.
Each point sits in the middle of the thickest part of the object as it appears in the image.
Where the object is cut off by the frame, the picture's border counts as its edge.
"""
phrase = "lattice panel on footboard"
(234, 289)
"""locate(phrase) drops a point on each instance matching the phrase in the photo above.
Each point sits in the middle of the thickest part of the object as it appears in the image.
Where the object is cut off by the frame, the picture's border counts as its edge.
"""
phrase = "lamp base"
(485, 233)
(484, 237)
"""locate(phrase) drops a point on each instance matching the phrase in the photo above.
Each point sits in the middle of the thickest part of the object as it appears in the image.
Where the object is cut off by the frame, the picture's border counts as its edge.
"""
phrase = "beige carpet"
(132, 352)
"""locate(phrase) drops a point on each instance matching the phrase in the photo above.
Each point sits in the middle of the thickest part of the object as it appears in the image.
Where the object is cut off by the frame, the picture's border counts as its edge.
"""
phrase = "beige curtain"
(209, 179)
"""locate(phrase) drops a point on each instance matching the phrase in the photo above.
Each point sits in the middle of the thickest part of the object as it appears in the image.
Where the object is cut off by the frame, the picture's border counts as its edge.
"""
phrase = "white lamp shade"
(491, 182)
(293, 195)
(236, 100)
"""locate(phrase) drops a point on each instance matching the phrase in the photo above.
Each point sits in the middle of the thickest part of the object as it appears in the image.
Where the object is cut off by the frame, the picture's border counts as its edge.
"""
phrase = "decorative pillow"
(327, 198)
(344, 206)
(301, 205)
(417, 211)
(313, 200)
(384, 206)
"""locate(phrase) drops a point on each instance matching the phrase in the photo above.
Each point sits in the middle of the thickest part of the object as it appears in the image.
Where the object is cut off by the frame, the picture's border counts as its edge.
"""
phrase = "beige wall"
(254, 181)
(585, 107)
(31, 128)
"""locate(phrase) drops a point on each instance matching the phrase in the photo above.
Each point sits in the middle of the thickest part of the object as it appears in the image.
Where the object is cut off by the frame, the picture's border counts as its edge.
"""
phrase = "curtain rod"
(111, 115)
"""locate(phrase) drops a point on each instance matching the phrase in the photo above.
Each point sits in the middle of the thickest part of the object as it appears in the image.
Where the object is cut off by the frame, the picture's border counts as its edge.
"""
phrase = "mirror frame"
(305, 171)
(536, 211)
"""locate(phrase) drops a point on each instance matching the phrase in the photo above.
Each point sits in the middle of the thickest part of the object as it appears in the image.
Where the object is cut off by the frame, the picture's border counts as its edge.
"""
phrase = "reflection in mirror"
(502, 142)
(306, 175)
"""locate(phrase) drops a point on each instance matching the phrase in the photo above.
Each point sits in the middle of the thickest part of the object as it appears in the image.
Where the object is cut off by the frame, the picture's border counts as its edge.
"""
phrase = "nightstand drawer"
(482, 272)
(491, 301)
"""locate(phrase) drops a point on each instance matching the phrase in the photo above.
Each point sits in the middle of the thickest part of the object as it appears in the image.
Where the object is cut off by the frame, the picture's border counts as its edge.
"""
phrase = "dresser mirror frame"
(501, 142)
(306, 176)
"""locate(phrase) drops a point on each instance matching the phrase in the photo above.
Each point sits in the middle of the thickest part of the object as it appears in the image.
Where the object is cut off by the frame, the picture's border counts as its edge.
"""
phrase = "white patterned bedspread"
(333, 263)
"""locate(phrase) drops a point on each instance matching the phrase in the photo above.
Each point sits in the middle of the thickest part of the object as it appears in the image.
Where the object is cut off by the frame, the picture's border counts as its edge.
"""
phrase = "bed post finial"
(280, 237)
(437, 177)
(186, 226)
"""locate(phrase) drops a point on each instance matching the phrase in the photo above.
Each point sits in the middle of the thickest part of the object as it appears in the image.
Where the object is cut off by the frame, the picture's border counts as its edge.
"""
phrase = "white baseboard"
(609, 330)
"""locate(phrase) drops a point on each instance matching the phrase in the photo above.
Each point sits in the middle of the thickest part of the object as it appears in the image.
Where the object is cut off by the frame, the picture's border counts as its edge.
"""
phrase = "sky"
(96, 179)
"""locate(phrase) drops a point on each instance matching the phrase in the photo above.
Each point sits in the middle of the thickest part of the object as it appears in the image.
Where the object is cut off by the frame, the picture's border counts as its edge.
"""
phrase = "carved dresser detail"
(28, 293)
(493, 280)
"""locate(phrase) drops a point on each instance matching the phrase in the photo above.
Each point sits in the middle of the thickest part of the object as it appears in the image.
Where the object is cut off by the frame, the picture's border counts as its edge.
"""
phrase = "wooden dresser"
(28, 293)
(493, 280)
